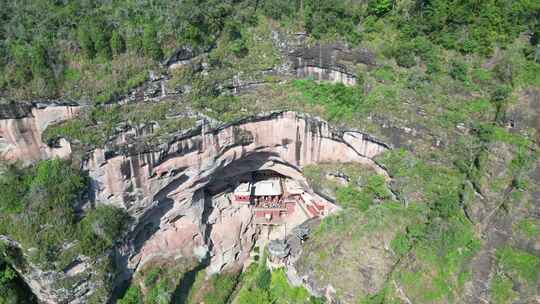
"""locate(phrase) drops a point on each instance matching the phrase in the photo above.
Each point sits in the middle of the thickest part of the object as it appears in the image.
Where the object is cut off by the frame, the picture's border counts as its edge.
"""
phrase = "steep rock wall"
(332, 62)
(165, 189)
(21, 126)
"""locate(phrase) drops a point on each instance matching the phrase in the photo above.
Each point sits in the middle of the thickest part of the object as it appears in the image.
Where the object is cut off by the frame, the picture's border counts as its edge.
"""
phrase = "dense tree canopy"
(41, 40)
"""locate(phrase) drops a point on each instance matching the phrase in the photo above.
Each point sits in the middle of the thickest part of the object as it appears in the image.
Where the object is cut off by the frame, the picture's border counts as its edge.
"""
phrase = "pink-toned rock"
(283, 142)
(177, 193)
(20, 138)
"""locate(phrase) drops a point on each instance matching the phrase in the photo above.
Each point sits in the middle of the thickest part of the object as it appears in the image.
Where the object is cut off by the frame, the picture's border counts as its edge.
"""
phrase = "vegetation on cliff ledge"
(40, 210)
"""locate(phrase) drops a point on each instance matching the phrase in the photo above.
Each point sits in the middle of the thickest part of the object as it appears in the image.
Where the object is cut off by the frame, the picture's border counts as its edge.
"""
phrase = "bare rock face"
(167, 190)
(21, 126)
(178, 193)
(329, 62)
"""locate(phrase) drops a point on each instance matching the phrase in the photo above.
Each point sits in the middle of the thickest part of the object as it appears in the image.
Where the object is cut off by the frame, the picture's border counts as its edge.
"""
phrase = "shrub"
(222, 288)
(100, 37)
(339, 101)
(353, 198)
(152, 276)
(160, 293)
(529, 227)
(132, 296)
(150, 42)
(458, 70)
(376, 185)
(85, 40)
(264, 278)
(518, 263)
(400, 244)
(117, 43)
(100, 228)
(501, 290)
(380, 7)
(255, 295)
(278, 9)
(405, 58)
(15, 183)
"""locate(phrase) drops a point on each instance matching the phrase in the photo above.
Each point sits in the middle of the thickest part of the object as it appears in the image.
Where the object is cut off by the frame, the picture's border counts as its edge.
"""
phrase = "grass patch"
(518, 263)
(501, 290)
(369, 217)
(259, 285)
(435, 268)
(338, 100)
(529, 228)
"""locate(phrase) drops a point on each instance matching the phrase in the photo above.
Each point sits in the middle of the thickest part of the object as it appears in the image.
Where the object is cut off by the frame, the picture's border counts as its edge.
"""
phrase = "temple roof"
(268, 187)
(243, 189)
(278, 248)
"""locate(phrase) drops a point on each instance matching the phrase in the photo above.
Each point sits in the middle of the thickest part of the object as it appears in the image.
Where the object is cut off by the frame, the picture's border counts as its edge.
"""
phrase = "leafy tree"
(132, 296)
(331, 18)
(84, 37)
(39, 64)
(40, 213)
(100, 37)
(12, 289)
(117, 43)
(99, 228)
(150, 42)
(380, 7)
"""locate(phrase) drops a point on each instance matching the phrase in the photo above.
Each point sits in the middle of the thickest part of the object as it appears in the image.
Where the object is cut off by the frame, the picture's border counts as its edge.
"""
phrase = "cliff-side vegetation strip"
(39, 211)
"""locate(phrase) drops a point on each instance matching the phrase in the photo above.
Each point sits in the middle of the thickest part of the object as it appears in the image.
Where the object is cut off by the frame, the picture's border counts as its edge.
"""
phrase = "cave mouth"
(276, 193)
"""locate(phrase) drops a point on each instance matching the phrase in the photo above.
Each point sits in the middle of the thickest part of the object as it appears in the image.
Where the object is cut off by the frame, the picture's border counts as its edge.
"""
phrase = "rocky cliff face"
(21, 126)
(330, 62)
(178, 193)
(167, 190)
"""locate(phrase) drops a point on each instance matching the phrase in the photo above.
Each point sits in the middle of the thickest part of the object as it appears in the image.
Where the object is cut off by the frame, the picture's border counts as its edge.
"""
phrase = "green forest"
(97, 50)
(463, 75)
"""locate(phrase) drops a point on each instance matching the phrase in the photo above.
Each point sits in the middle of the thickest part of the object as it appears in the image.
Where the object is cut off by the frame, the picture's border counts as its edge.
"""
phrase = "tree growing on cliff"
(118, 45)
(86, 44)
(150, 42)
(380, 7)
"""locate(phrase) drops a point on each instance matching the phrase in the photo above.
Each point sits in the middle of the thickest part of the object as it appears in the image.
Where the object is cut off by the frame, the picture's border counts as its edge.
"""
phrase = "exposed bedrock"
(21, 126)
(177, 194)
(332, 62)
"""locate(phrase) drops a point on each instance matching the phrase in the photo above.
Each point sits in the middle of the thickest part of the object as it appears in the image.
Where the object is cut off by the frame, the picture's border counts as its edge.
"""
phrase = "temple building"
(275, 199)
(242, 193)
(278, 252)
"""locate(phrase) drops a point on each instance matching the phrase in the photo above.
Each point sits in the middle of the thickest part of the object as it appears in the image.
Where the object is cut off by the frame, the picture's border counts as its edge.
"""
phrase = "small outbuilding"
(242, 193)
(278, 250)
